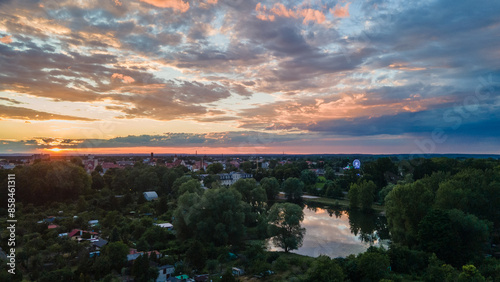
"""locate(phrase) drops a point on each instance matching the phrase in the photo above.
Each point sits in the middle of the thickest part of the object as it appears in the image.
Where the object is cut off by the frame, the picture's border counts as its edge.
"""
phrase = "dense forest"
(443, 217)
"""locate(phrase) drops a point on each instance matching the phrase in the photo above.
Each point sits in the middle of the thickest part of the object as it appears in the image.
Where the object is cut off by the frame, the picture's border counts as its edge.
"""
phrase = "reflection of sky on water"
(329, 236)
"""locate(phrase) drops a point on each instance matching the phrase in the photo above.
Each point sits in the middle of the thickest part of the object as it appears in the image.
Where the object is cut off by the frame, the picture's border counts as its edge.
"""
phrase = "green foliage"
(384, 192)
(373, 265)
(142, 271)
(272, 187)
(353, 195)
(97, 181)
(406, 205)
(196, 255)
(284, 225)
(329, 173)
(117, 253)
(251, 193)
(309, 177)
(64, 274)
(293, 188)
(46, 182)
(470, 274)
(191, 186)
(215, 168)
(405, 260)
(324, 269)
(217, 216)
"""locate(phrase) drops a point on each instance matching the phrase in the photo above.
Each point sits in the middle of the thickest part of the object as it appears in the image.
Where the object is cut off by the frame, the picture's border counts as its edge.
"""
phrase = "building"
(150, 195)
(237, 271)
(230, 178)
(43, 157)
(165, 272)
(108, 165)
(134, 254)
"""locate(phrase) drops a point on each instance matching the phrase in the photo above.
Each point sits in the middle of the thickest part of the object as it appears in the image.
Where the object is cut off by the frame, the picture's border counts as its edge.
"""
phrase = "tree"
(309, 177)
(196, 255)
(97, 181)
(246, 166)
(217, 216)
(329, 173)
(470, 273)
(293, 188)
(215, 168)
(436, 235)
(142, 271)
(406, 205)
(117, 253)
(367, 188)
(115, 235)
(324, 269)
(353, 195)
(251, 193)
(192, 186)
(373, 264)
(209, 180)
(284, 225)
(272, 187)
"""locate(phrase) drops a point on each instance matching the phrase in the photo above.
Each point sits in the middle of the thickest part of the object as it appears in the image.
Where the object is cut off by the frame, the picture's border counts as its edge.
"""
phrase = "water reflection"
(339, 233)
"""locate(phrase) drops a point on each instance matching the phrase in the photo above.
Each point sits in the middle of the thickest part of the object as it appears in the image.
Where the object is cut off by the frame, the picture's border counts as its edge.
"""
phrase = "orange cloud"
(6, 39)
(118, 3)
(312, 15)
(174, 4)
(340, 12)
(124, 78)
(262, 13)
(280, 10)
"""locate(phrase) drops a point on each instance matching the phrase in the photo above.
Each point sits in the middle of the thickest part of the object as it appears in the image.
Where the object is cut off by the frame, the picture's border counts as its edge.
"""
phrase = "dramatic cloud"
(340, 11)
(178, 5)
(6, 39)
(367, 73)
(7, 112)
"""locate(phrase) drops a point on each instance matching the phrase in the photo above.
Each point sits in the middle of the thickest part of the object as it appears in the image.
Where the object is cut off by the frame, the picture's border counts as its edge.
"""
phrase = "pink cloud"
(280, 10)
(124, 78)
(6, 39)
(340, 12)
(312, 15)
(174, 4)
(262, 13)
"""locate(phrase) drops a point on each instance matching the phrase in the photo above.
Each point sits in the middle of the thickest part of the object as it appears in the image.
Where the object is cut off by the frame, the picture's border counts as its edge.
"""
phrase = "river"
(339, 233)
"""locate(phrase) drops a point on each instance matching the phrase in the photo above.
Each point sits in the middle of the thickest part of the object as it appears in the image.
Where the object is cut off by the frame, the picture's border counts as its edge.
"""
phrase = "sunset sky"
(249, 77)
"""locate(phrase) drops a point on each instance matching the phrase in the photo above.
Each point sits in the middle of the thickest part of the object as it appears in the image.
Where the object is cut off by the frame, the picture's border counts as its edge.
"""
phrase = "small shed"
(238, 271)
(167, 225)
(150, 195)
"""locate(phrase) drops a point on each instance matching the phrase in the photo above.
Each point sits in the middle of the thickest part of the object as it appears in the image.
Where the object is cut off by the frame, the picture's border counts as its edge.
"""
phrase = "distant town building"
(43, 157)
(232, 177)
(108, 165)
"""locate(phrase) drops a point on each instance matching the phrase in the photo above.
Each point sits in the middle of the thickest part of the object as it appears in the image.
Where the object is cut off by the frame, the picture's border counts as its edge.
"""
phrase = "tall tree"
(284, 225)
(293, 188)
(272, 187)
